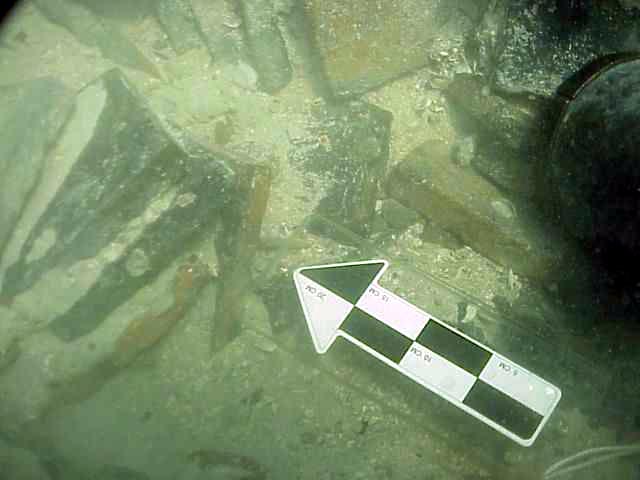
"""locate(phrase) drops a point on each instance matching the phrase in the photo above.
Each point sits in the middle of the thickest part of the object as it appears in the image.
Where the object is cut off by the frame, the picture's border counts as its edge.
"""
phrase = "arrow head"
(329, 292)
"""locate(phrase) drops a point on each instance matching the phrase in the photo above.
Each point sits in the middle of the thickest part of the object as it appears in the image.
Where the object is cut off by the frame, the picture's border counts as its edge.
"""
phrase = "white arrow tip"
(323, 310)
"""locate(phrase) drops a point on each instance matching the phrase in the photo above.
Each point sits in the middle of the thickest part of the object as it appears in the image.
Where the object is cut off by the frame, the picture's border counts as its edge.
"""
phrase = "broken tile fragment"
(345, 158)
(365, 44)
(470, 207)
(121, 198)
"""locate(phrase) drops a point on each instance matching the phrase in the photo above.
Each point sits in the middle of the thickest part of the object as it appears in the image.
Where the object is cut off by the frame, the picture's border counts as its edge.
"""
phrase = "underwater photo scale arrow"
(346, 300)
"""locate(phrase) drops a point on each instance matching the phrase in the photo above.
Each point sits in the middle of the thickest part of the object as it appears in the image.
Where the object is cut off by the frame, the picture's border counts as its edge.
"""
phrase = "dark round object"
(594, 169)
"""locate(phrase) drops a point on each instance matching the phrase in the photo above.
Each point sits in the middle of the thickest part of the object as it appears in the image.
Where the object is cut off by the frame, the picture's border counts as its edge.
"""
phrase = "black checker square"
(375, 334)
(454, 347)
(502, 409)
